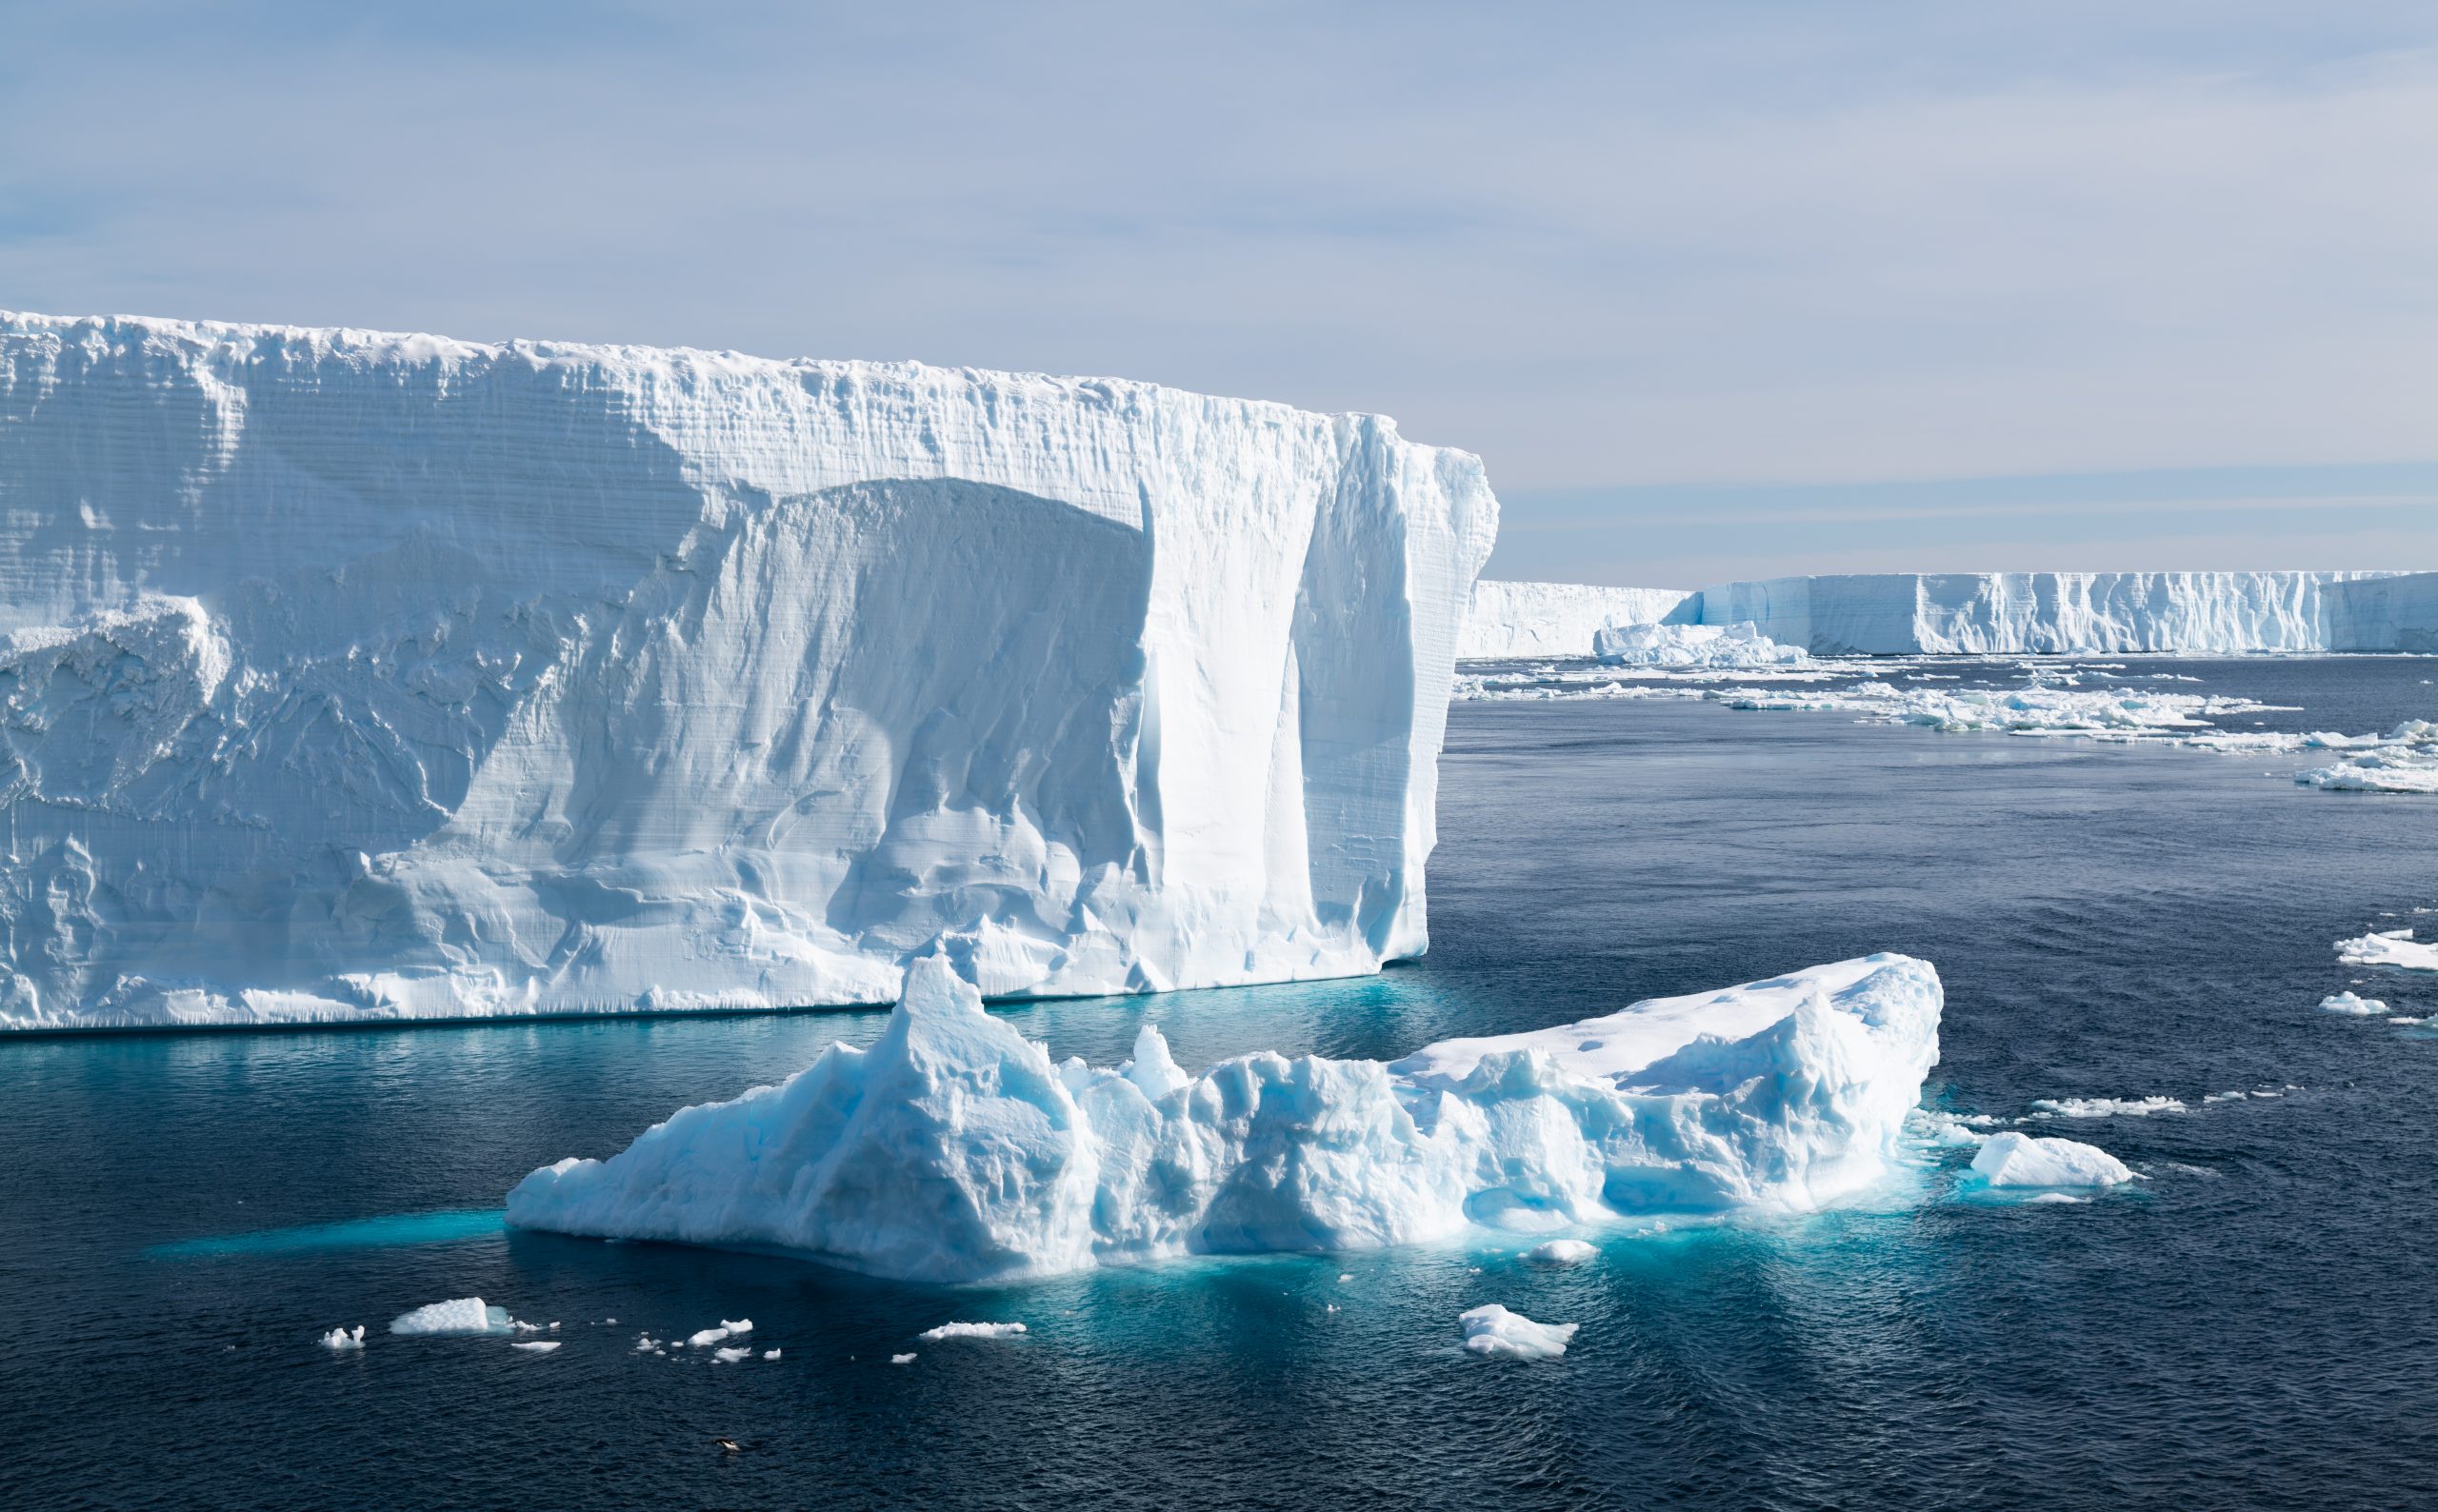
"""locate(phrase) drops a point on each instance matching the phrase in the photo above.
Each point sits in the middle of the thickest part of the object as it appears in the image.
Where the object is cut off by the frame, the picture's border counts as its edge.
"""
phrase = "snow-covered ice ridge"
(355, 676)
(954, 1149)
(2007, 613)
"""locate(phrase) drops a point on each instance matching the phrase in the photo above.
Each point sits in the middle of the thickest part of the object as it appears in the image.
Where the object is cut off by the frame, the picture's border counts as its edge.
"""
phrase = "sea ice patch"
(2013, 1158)
(1494, 1332)
(971, 1331)
(2352, 1004)
(459, 1318)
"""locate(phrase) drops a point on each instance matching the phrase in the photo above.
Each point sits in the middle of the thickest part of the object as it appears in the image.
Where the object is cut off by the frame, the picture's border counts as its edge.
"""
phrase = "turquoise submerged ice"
(955, 1149)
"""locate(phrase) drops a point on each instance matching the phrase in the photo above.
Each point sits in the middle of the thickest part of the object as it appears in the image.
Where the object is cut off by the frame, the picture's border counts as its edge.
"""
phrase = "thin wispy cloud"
(1606, 246)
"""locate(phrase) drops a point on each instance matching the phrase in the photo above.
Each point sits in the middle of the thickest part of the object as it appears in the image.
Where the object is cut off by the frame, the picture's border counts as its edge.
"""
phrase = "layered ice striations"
(954, 1149)
(1979, 613)
(349, 676)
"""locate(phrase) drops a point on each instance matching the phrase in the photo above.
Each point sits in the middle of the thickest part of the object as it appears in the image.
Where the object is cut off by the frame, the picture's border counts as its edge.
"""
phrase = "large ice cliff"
(955, 1149)
(354, 676)
(2007, 613)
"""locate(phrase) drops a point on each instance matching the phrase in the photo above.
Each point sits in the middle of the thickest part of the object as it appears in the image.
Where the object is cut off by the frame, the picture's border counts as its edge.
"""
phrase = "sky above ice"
(1718, 289)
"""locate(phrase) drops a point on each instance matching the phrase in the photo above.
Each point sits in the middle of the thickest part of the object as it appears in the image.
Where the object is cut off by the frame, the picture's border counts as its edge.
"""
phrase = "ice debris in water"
(971, 1331)
(2404, 762)
(2014, 1159)
(2393, 948)
(1692, 646)
(1561, 1252)
(1493, 1331)
(461, 1317)
(770, 1354)
(2106, 1107)
(2353, 1005)
(712, 1335)
(901, 1360)
(344, 1337)
(729, 1356)
(954, 1149)
(539, 1347)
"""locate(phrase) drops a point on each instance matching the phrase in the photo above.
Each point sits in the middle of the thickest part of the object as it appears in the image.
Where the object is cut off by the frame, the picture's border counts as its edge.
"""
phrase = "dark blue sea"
(2254, 1323)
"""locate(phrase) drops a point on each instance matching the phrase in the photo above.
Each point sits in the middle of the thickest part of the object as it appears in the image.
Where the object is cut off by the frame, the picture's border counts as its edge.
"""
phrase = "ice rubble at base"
(384, 676)
(1688, 645)
(953, 1148)
(2393, 948)
(461, 1317)
(1494, 1332)
(2013, 1158)
(1506, 620)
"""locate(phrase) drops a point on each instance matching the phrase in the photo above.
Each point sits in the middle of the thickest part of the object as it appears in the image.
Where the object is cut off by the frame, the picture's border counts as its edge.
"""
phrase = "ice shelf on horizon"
(350, 676)
(2029, 613)
(955, 1149)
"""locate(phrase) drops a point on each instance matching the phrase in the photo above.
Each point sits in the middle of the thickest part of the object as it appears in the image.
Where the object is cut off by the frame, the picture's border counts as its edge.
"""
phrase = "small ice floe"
(726, 1330)
(646, 1342)
(770, 1354)
(971, 1331)
(901, 1360)
(1561, 1252)
(1493, 1331)
(729, 1357)
(344, 1337)
(1344, 1276)
(2021, 1160)
(2353, 1005)
(2394, 948)
(537, 1346)
(459, 1318)
(2226, 1097)
(2106, 1107)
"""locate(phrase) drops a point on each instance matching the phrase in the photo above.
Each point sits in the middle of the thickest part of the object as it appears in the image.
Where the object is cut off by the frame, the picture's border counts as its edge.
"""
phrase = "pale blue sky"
(1718, 289)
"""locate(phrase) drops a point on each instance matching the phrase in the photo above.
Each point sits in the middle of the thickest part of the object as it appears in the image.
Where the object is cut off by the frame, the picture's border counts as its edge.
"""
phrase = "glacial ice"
(2393, 948)
(2039, 613)
(971, 1331)
(348, 676)
(460, 1317)
(1494, 1332)
(954, 1149)
(2013, 1158)
(344, 1337)
(1561, 1252)
(2353, 1005)
(1675, 646)
(1508, 620)
(537, 1346)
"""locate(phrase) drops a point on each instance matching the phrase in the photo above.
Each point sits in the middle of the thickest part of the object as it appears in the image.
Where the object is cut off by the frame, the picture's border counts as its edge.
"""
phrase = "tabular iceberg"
(954, 1149)
(349, 676)
(1895, 613)
(1509, 620)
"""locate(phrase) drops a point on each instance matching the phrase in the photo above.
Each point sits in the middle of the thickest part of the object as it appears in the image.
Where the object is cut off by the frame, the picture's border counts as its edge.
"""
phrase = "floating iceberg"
(463, 1317)
(349, 676)
(1561, 1252)
(2393, 948)
(2353, 1005)
(1507, 621)
(1502, 1335)
(539, 1347)
(2404, 761)
(344, 1337)
(954, 1149)
(971, 1331)
(1676, 645)
(2021, 1160)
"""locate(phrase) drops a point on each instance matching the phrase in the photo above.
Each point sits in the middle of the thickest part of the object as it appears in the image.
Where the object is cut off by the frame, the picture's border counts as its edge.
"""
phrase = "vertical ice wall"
(1559, 618)
(358, 675)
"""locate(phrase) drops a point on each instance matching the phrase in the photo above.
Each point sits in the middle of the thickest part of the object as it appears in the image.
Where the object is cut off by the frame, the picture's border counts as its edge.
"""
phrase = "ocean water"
(2253, 1323)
